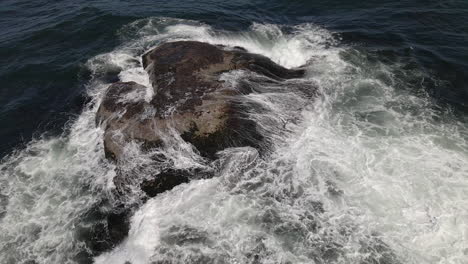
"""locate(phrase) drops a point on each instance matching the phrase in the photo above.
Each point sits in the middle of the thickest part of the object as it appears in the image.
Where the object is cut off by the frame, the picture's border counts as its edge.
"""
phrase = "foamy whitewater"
(367, 169)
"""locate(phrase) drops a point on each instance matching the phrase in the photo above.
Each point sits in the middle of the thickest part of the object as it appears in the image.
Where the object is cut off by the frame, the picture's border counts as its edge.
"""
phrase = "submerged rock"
(101, 229)
(170, 178)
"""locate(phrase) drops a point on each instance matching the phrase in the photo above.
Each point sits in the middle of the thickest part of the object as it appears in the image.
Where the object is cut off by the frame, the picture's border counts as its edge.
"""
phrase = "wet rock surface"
(190, 100)
(165, 181)
(101, 229)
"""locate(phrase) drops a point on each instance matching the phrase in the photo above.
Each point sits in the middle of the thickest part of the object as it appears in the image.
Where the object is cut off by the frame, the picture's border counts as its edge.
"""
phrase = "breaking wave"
(364, 167)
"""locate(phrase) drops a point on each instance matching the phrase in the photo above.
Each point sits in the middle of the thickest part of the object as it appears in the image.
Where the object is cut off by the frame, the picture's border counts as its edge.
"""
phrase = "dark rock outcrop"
(165, 181)
(124, 117)
(188, 98)
(101, 228)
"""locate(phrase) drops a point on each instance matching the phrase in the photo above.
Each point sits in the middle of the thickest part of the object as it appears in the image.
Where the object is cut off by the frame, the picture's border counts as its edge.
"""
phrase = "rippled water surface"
(369, 153)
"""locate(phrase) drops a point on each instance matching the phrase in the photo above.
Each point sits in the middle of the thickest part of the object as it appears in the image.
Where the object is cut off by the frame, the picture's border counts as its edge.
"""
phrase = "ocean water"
(369, 154)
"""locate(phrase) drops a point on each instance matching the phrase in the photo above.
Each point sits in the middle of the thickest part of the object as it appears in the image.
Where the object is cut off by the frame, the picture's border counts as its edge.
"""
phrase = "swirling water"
(371, 168)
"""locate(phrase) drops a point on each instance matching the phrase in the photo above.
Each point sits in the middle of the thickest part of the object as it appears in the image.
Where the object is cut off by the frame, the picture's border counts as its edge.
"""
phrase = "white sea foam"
(47, 188)
(389, 171)
(401, 173)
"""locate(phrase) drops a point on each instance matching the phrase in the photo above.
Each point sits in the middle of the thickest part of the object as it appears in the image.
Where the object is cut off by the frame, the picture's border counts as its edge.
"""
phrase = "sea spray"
(364, 168)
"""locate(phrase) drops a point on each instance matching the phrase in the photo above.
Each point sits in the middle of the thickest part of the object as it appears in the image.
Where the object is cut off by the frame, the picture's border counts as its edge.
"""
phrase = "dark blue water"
(43, 45)
(388, 130)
